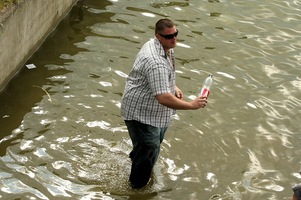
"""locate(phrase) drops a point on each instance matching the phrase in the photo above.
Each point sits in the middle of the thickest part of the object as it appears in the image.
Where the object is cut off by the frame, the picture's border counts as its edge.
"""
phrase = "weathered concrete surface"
(23, 31)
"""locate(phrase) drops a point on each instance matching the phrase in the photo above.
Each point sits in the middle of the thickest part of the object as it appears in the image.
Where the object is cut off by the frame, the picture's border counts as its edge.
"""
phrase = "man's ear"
(158, 36)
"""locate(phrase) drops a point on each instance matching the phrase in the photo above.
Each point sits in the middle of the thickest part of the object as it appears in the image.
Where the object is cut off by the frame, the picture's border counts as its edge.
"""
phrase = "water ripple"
(71, 143)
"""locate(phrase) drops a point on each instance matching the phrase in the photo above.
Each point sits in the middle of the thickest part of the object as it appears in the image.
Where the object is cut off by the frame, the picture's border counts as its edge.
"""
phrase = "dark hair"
(162, 24)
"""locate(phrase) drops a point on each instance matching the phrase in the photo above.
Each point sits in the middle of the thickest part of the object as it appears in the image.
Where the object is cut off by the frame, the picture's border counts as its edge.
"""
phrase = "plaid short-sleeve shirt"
(152, 74)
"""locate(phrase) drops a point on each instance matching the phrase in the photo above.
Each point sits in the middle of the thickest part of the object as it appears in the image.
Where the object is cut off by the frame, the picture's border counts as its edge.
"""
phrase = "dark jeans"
(146, 142)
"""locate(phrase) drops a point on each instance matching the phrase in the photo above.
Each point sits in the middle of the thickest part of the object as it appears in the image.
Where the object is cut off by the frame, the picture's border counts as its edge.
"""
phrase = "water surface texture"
(62, 136)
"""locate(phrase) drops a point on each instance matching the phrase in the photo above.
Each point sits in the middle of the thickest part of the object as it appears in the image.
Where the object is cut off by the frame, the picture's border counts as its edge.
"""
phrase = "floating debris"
(31, 66)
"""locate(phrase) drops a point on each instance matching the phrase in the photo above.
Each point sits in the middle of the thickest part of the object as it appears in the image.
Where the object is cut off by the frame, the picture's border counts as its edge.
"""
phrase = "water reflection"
(76, 14)
(62, 135)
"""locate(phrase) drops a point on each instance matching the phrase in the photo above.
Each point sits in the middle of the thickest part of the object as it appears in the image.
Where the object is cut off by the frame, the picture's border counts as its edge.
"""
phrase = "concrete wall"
(24, 30)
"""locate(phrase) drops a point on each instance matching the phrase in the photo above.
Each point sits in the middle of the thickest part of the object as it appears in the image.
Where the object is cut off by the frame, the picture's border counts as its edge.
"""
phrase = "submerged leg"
(146, 141)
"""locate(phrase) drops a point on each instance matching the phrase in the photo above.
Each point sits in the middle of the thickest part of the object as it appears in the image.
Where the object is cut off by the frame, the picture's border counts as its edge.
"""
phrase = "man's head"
(166, 33)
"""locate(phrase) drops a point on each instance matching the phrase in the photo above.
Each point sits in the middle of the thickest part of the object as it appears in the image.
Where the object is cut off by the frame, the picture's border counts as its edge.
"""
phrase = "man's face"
(168, 38)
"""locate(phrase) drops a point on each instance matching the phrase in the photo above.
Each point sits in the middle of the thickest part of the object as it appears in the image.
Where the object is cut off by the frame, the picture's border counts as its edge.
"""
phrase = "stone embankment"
(23, 28)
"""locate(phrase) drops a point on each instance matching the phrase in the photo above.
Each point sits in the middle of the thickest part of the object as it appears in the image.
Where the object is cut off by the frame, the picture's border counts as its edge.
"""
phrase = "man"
(151, 98)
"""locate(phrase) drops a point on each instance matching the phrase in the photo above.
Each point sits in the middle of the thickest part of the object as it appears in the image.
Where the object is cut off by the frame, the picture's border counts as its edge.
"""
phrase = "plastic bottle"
(205, 91)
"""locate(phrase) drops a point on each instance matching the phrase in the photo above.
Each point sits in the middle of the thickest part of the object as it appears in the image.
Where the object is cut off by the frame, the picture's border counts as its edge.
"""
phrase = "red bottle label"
(205, 92)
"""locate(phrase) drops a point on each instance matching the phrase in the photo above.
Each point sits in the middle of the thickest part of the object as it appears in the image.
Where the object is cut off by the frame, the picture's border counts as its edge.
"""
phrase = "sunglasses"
(170, 36)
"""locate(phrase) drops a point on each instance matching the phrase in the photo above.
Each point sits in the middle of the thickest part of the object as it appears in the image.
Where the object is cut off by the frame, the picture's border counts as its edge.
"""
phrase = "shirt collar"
(160, 48)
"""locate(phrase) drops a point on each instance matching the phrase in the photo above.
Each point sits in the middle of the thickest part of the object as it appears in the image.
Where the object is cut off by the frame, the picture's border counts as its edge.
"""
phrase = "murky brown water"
(62, 136)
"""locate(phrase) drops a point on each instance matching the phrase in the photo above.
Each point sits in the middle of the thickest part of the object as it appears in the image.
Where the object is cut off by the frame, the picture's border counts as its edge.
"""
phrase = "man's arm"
(171, 101)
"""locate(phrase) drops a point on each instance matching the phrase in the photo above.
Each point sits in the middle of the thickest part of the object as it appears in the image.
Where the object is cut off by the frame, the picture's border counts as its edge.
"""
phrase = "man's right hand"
(199, 102)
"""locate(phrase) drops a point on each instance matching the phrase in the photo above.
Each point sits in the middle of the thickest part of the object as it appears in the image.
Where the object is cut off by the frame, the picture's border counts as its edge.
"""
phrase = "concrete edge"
(24, 27)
